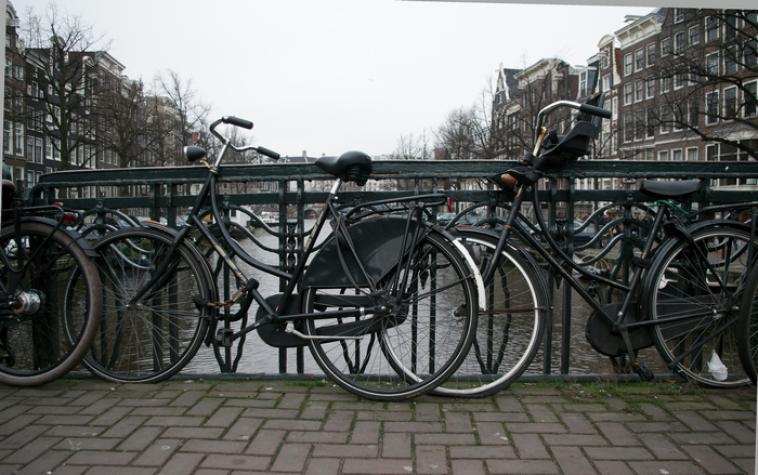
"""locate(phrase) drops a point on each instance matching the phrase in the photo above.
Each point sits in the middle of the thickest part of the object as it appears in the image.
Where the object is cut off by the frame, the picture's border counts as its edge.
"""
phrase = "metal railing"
(290, 190)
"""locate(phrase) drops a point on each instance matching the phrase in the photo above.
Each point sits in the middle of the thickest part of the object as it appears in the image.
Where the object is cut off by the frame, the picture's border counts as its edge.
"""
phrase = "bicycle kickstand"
(639, 367)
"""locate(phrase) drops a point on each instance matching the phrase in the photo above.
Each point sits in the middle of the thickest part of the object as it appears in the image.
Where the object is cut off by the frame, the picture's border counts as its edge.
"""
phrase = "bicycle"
(50, 293)
(747, 328)
(680, 291)
(386, 304)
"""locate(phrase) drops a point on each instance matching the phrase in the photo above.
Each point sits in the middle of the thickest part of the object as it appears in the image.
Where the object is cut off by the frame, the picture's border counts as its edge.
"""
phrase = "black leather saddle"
(670, 189)
(350, 166)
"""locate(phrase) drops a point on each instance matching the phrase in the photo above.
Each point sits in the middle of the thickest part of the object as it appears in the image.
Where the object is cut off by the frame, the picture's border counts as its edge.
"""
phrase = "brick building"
(680, 83)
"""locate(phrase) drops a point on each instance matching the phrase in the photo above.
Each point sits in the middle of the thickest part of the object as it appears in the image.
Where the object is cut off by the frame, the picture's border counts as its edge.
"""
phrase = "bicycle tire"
(704, 298)
(150, 341)
(411, 337)
(54, 339)
(509, 330)
(748, 326)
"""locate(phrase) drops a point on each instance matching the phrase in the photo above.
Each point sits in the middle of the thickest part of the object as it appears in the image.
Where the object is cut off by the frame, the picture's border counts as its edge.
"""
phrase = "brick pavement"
(245, 427)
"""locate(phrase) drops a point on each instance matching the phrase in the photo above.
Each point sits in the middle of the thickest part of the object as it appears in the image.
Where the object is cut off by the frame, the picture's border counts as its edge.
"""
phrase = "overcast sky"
(333, 75)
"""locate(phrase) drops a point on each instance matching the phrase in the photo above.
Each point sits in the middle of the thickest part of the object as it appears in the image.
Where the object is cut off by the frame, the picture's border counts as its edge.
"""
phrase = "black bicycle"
(680, 290)
(387, 303)
(50, 292)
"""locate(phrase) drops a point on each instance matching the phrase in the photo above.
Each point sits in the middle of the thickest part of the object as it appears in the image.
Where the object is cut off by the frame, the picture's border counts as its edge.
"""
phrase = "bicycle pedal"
(224, 337)
(643, 372)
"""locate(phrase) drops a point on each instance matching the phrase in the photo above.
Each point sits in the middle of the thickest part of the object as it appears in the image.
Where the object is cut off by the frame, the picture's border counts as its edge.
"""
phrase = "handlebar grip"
(592, 110)
(230, 119)
(268, 153)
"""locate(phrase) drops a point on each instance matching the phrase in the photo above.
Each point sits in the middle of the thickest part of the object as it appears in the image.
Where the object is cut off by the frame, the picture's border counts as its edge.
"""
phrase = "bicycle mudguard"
(80, 240)
(377, 243)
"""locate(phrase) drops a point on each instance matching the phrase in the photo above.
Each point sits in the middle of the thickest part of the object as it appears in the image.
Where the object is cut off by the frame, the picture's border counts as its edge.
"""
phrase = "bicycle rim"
(153, 339)
(699, 282)
(509, 330)
(43, 345)
(410, 351)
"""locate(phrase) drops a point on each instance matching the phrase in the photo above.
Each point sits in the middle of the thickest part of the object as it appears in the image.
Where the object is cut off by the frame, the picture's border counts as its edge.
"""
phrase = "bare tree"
(412, 147)
(71, 74)
(707, 73)
(182, 98)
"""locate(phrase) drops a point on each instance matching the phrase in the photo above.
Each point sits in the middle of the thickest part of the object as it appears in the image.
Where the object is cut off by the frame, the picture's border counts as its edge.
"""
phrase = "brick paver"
(273, 426)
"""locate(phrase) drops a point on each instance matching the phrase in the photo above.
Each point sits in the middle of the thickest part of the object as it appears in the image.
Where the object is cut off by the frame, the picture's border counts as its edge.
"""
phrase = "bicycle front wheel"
(694, 294)
(46, 336)
(510, 328)
(154, 337)
(414, 347)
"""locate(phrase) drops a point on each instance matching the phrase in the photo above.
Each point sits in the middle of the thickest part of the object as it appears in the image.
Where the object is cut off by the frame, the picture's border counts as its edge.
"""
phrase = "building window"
(38, 150)
(693, 113)
(730, 27)
(639, 90)
(666, 119)
(663, 155)
(7, 137)
(606, 82)
(18, 148)
(731, 55)
(679, 79)
(730, 102)
(677, 154)
(750, 53)
(678, 15)
(49, 149)
(639, 125)
(650, 126)
(711, 28)
(628, 128)
(666, 83)
(628, 93)
(665, 46)
(56, 150)
(751, 99)
(694, 33)
(639, 59)
(692, 154)
(650, 87)
(651, 54)
(627, 64)
(712, 108)
(30, 148)
(679, 42)
(712, 64)
(604, 59)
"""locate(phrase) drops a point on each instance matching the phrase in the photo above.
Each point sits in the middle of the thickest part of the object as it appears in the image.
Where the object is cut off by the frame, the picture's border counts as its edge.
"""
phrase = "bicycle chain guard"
(604, 340)
(273, 333)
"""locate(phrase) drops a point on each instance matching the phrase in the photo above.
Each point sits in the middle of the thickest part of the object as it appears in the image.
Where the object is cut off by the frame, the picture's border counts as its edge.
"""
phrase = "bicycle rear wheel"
(510, 328)
(152, 339)
(47, 336)
(414, 347)
(693, 295)
(747, 328)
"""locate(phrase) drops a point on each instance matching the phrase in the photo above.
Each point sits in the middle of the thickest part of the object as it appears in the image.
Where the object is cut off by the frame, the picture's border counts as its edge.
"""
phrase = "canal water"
(259, 358)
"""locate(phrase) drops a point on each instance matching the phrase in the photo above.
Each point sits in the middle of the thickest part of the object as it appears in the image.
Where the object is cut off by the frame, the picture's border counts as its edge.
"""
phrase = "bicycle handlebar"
(230, 119)
(245, 124)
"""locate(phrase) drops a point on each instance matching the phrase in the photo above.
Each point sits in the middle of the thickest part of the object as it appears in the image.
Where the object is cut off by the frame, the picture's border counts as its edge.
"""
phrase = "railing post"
(567, 290)
(282, 258)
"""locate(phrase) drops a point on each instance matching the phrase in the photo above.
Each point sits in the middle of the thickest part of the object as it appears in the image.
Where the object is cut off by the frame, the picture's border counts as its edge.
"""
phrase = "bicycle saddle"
(350, 166)
(670, 189)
